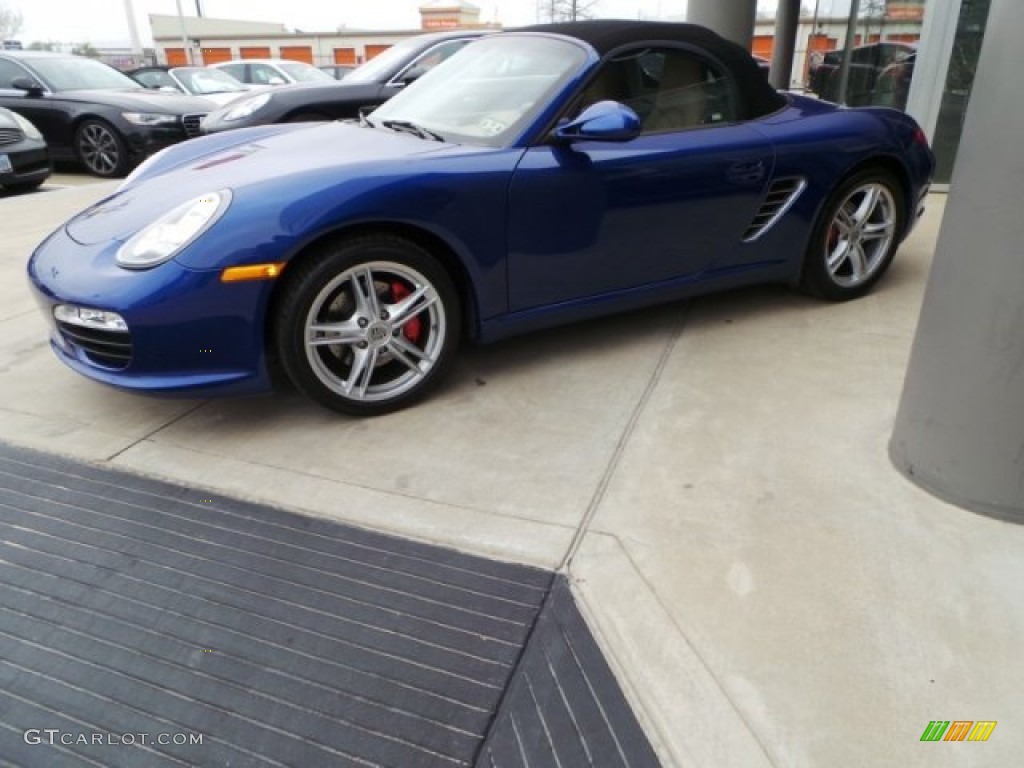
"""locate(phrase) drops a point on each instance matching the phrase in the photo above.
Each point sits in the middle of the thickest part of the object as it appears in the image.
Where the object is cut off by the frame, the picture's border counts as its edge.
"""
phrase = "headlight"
(170, 233)
(27, 128)
(149, 118)
(246, 108)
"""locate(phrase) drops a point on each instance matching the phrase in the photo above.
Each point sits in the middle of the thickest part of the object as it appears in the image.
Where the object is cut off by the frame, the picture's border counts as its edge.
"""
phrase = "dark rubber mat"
(147, 624)
(563, 707)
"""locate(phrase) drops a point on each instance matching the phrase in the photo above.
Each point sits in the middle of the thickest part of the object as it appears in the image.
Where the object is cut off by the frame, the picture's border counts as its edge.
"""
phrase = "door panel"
(596, 217)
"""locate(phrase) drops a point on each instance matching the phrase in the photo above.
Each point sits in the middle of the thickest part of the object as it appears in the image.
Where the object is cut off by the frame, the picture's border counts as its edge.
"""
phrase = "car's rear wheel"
(101, 149)
(855, 237)
(368, 325)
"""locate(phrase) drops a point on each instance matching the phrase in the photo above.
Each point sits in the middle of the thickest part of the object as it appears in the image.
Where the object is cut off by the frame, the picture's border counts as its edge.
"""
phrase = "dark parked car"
(92, 113)
(367, 86)
(540, 176)
(866, 64)
(24, 157)
(212, 84)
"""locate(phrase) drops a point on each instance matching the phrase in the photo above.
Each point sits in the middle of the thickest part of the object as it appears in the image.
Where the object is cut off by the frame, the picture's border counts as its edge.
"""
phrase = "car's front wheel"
(101, 149)
(367, 325)
(855, 237)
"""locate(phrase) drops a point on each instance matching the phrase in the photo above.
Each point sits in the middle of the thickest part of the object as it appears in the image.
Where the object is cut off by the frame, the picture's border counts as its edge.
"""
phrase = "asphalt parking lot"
(712, 477)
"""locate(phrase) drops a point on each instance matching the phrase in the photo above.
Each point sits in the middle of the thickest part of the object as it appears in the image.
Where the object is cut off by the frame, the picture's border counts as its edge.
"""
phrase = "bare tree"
(10, 21)
(86, 49)
(566, 10)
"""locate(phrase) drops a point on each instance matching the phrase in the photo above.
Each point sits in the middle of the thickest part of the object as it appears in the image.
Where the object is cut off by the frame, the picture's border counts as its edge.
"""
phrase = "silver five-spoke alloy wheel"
(860, 234)
(374, 331)
(856, 236)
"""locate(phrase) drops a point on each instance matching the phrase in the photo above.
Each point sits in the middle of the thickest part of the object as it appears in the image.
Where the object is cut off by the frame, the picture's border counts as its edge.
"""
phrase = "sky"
(105, 21)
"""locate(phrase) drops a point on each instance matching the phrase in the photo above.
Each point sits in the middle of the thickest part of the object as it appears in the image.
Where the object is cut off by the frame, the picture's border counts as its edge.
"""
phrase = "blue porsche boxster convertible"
(539, 176)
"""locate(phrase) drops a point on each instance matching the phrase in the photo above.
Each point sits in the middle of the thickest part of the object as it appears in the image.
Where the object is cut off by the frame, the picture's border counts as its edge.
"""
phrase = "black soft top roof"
(606, 35)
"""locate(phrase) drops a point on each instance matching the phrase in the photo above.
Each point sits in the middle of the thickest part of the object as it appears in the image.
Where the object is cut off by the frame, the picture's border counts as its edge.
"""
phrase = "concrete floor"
(714, 477)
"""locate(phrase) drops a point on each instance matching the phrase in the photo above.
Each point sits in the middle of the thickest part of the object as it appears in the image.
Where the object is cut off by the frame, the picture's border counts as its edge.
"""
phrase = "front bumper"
(144, 141)
(188, 333)
(28, 164)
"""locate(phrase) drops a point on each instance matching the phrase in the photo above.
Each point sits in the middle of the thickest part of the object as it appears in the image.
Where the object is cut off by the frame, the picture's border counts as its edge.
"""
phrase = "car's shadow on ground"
(572, 350)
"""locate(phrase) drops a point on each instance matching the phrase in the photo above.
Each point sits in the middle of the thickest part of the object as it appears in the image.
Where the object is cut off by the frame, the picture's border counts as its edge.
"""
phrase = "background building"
(202, 40)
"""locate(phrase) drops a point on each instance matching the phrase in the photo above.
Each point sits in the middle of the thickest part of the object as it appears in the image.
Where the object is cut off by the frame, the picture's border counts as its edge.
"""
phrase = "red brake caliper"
(414, 328)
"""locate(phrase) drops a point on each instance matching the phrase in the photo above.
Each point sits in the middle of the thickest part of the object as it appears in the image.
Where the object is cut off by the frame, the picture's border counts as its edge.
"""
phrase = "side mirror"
(31, 87)
(603, 121)
(276, 81)
(168, 89)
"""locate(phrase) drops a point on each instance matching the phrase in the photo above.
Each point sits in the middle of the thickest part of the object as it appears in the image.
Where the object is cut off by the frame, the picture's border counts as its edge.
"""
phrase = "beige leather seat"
(681, 101)
(611, 84)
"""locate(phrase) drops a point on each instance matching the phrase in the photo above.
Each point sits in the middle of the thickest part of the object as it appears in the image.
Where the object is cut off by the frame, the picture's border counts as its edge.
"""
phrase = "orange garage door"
(254, 52)
(176, 57)
(344, 55)
(762, 46)
(297, 53)
(213, 55)
(373, 50)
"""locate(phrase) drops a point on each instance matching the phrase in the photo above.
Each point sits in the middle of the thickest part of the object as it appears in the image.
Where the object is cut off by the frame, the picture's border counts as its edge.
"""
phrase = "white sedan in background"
(272, 71)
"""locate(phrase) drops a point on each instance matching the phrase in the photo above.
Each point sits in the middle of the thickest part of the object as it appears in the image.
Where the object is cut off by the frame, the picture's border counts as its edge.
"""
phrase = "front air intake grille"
(191, 124)
(10, 136)
(781, 195)
(106, 348)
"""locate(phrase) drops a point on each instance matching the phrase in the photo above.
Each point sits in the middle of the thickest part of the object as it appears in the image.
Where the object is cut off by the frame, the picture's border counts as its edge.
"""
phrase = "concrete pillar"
(787, 19)
(959, 431)
(851, 35)
(732, 19)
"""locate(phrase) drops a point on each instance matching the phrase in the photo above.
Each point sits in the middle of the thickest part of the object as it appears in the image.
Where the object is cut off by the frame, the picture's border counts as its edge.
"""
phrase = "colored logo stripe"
(982, 730)
(959, 730)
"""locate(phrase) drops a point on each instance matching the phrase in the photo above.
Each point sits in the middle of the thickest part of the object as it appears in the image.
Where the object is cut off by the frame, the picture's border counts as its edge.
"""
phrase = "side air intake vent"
(781, 196)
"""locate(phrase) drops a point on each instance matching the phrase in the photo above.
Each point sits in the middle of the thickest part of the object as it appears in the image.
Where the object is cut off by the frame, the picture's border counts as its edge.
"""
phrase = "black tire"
(388, 354)
(101, 149)
(854, 239)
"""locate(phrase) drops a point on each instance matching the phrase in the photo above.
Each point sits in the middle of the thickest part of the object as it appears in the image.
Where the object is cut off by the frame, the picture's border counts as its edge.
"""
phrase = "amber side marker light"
(252, 272)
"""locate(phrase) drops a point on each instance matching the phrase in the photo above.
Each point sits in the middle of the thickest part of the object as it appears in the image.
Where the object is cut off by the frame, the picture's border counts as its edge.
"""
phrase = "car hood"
(141, 100)
(312, 94)
(259, 164)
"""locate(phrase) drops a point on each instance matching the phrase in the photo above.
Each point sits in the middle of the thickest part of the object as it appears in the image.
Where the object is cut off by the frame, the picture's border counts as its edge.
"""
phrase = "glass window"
(670, 89)
(74, 73)
(301, 72)
(963, 63)
(264, 74)
(237, 71)
(155, 78)
(434, 56)
(9, 71)
(489, 92)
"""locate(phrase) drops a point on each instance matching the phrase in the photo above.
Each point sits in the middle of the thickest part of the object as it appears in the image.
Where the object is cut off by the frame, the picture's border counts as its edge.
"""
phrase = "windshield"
(488, 92)
(304, 73)
(200, 80)
(76, 73)
(380, 67)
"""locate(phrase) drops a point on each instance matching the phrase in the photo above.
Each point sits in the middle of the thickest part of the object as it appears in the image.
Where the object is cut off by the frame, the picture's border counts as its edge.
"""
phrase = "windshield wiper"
(409, 127)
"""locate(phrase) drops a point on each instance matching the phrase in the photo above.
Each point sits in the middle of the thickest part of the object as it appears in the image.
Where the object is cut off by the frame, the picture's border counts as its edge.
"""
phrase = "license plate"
(5, 164)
